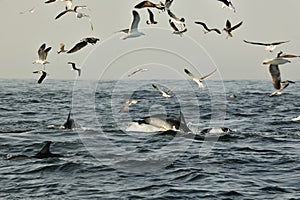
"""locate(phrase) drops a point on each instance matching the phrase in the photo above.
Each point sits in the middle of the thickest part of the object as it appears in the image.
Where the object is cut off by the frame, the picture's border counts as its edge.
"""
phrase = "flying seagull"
(176, 30)
(43, 76)
(278, 92)
(30, 11)
(151, 18)
(83, 42)
(173, 16)
(227, 3)
(127, 104)
(62, 48)
(199, 80)
(42, 54)
(133, 32)
(269, 46)
(208, 29)
(149, 4)
(74, 67)
(136, 71)
(164, 93)
(79, 15)
(274, 70)
(228, 28)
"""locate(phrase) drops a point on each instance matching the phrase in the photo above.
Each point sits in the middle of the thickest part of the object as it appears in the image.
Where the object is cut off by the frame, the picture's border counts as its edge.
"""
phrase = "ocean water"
(259, 160)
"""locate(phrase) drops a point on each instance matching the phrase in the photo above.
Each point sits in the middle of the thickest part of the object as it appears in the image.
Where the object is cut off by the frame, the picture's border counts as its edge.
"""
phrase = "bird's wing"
(158, 88)
(62, 13)
(275, 74)
(216, 30)
(44, 74)
(287, 56)
(279, 90)
(151, 15)
(236, 26)
(50, 1)
(208, 75)
(203, 24)
(144, 4)
(73, 65)
(278, 43)
(173, 25)
(41, 51)
(256, 43)
(171, 90)
(190, 74)
(46, 52)
(225, 2)
(77, 47)
(228, 24)
(135, 21)
(126, 30)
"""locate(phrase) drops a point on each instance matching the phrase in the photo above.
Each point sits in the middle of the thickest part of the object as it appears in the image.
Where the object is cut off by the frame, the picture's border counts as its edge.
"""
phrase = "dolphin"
(166, 124)
(43, 153)
(69, 124)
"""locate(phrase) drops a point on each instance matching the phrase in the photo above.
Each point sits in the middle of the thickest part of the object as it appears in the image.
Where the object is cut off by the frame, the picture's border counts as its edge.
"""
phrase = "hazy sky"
(266, 21)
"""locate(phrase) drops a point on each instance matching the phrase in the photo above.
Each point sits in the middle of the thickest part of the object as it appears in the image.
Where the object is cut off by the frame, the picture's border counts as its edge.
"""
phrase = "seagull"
(278, 92)
(83, 42)
(150, 4)
(269, 46)
(74, 67)
(176, 30)
(43, 76)
(133, 31)
(151, 18)
(173, 16)
(208, 29)
(274, 70)
(164, 93)
(127, 104)
(136, 71)
(228, 28)
(199, 80)
(62, 48)
(228, 4)
(30, 11)
(79, 15)
(42, 54)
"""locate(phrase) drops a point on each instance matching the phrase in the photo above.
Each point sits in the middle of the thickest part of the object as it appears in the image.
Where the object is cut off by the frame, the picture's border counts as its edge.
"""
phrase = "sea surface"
(260, 159)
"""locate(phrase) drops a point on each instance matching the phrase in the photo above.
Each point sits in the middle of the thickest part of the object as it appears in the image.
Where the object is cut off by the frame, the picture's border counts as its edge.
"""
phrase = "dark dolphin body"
(43, 153)
(166, 124)
(70, 123)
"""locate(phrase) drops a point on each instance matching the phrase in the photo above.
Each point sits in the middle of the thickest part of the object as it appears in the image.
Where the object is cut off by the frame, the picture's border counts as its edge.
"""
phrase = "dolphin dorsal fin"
(45, 150)
(182, 124)
(69, 116)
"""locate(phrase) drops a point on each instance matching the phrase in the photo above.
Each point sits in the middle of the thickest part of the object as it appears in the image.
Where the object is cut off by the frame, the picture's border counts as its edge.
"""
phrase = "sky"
(264, 21)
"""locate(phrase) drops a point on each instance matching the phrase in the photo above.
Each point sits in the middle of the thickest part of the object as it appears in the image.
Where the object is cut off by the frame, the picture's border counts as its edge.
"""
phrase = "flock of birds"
(179, 28)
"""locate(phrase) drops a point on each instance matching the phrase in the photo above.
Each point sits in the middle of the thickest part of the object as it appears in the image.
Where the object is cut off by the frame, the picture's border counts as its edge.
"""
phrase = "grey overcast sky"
(263, 20)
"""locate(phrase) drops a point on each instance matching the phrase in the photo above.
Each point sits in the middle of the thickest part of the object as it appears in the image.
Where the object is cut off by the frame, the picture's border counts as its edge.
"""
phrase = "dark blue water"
(260, 160)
